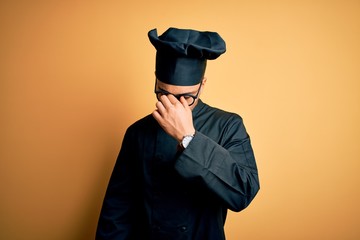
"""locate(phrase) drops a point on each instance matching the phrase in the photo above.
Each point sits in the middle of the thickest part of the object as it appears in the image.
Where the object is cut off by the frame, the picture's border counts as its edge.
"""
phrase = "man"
(182, 167)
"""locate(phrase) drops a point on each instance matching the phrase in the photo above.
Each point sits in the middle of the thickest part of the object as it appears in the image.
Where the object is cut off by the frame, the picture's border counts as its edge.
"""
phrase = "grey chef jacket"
(158, 192)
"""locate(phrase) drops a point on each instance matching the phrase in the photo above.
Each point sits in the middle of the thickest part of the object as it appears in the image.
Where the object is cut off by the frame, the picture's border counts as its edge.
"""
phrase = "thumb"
(184, 102)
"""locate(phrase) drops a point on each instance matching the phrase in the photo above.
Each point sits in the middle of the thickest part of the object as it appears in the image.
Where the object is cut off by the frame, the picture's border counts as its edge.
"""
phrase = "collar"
(197, 109)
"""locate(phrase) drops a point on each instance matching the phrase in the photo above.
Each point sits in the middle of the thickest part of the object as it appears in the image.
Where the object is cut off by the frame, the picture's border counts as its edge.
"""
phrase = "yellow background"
(75, 74)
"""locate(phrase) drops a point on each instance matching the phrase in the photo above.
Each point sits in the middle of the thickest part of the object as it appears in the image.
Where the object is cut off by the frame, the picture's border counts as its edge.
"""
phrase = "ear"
(203, 82)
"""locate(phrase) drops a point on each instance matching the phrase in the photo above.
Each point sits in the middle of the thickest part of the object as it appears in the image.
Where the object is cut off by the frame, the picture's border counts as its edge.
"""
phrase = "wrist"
(180, 135)
(185, 141)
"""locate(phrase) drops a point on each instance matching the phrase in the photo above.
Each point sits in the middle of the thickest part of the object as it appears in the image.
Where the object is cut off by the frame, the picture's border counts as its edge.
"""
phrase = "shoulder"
(143, 125)
(219, 115)
(220, 125)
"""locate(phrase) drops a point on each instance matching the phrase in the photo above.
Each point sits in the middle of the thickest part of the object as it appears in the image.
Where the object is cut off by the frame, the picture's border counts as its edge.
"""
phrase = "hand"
(174, 116)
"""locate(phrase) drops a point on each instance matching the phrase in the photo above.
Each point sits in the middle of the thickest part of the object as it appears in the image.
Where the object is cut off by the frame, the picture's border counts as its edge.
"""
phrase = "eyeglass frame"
(177, 96)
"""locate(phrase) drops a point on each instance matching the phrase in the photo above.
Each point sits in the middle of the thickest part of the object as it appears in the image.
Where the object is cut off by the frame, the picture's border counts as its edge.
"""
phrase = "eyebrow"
(187, 93)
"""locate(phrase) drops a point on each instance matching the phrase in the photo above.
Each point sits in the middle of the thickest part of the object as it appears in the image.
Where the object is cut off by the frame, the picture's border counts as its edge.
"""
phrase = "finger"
(160, 107)
(184, 102)
(173, 99)
(157, 115)
(166, 101)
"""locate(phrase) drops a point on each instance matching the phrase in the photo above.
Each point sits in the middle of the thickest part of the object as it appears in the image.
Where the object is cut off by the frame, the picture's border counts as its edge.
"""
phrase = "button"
(183, 229)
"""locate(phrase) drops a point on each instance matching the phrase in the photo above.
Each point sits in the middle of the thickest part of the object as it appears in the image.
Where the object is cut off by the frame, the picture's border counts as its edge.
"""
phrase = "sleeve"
(228, 169)
(116, 216)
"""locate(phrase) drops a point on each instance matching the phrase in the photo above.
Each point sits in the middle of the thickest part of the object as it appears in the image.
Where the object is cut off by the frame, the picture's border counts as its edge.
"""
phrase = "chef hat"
(182, 54)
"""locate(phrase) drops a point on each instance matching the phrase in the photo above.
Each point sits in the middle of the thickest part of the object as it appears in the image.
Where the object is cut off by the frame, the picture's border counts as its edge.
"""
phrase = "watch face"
(186, 140)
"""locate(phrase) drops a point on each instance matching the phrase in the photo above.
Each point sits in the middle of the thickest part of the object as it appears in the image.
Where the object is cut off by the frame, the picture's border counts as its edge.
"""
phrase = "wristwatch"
(186, 140)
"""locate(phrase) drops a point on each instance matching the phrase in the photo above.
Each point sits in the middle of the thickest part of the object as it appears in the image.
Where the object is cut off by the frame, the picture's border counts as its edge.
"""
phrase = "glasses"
(188, 97)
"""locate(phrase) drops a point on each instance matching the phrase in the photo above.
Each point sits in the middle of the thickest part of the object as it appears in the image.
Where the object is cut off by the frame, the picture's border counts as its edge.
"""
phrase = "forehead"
(175, 89)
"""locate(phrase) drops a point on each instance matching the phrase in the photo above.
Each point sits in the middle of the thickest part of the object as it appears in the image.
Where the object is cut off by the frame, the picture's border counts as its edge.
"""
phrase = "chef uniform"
(161, 191)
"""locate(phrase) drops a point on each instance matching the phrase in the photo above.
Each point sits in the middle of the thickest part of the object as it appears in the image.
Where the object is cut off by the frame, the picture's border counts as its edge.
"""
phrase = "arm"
(229, 170)
(115, 221)
(227, 166)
